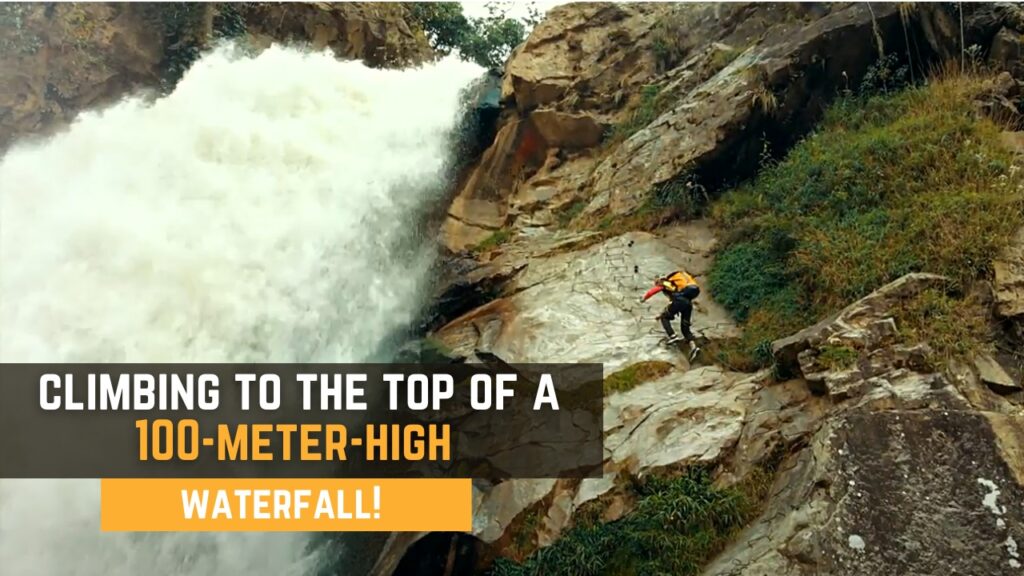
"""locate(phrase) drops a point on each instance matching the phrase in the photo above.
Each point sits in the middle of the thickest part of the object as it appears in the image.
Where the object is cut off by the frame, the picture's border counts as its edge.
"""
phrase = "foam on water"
(265, 211)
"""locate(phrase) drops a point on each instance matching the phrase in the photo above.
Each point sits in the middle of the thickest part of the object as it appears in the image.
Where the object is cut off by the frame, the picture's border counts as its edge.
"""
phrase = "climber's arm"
(652, 292)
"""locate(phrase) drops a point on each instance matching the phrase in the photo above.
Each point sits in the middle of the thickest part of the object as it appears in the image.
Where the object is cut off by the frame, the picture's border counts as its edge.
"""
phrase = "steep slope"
(866, 446)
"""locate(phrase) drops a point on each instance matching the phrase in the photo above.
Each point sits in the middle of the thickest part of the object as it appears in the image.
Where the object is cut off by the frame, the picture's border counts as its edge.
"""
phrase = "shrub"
(837, 357)
(677, 525)
(889, 184)
(565, 214)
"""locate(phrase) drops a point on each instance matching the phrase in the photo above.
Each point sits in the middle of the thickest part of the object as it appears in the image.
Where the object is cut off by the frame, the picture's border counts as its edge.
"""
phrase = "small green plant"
(496, 239)
(651, 104)
(565, 214)
(680, 197)
(885, 76)
(635, 374)
(723, 57)
(837, 357)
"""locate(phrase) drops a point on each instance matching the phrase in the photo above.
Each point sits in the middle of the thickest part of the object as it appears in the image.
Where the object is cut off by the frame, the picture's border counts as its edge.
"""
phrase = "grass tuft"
(632, 376)
(954, 329)
(651, 104)
(496, 239)
(837, 357)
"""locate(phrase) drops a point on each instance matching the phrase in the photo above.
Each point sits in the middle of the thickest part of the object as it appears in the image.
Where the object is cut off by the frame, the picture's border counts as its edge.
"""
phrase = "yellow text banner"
(286, 505)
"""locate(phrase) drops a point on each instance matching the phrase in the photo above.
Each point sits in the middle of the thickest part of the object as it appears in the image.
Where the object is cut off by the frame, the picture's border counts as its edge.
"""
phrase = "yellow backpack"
(677, 281)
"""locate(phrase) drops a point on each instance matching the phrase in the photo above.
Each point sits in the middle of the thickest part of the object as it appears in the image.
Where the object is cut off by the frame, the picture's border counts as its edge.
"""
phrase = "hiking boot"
(693, 353)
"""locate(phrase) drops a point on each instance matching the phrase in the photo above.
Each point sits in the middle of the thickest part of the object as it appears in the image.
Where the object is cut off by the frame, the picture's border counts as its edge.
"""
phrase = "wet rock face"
(890, 465)
(740, 73)
(582, 306)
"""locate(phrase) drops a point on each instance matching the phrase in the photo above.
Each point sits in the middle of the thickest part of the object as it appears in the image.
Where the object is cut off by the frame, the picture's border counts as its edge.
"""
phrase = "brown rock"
(1007, 51)
(865, 323)
(1009, 278)
(994, 376)
(57, 60)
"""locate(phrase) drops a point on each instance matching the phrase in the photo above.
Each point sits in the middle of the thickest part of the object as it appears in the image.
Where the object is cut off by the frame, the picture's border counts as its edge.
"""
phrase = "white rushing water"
(265, 211)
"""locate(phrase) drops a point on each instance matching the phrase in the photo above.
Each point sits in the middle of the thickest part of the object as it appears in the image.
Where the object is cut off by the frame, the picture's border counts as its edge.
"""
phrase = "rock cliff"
(877, 454)
(57, 59)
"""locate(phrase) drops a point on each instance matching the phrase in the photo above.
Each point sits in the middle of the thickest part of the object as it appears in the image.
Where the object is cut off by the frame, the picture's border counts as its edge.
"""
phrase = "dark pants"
(683, 306)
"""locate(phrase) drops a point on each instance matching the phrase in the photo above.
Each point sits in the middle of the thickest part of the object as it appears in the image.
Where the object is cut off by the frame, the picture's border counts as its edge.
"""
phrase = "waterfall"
(267, 210)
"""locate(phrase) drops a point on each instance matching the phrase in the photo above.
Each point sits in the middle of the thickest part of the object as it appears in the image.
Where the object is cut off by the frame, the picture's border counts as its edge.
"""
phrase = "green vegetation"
(722, 58)
(682, 197)
(889, 184)
(677, 525)
(565, 214)
(496, 239)
(487, 41)
(837, 357)
(955, 329)
(635, 374)
(651, 104)
(187, 27)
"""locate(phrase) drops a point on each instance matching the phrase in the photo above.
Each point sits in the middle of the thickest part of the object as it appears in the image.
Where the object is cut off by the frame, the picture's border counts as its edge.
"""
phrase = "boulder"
(1007, 52)
(62, 59)
(582, 49)
(377, 33)
(865, 324)
(892, 492)
(995, 376)
(713, 128)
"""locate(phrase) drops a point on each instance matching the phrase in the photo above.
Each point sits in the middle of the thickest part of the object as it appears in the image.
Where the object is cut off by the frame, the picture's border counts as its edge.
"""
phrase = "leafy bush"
(487, 41)
(836, 357)
(885, 76)
(677, 525)
(889, 184)
(185, 32)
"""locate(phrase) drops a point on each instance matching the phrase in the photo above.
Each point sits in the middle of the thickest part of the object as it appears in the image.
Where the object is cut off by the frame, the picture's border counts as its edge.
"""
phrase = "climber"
(681, 289)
